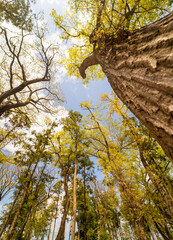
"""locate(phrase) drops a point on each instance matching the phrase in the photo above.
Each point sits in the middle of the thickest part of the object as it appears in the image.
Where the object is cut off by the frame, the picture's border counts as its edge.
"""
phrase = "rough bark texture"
(140, 71)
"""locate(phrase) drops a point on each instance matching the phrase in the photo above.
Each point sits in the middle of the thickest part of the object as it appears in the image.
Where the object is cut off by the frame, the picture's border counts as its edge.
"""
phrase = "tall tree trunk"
(63, 235)
(37, 190)
(49, 231)
(133, 204)
(85, 207)
(9, 235)
(70, 229)
(28, 232)
(56, 211)
(140, 71)
(78, 231)
(9, 214)
(162, 232)
(164, 177)
(74, 198)
(14, 202)
(17, 213)
(66, 208)
(168, 201)
(25, 222)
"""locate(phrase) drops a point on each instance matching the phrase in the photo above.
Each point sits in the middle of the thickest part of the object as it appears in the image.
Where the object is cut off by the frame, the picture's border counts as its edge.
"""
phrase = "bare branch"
(16, 72)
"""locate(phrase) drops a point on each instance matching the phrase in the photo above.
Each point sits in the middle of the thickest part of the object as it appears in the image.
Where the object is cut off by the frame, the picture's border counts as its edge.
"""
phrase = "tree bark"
(56, 211)
(49, 231)
(161, 232)
(10, 233)
(85, 207)
(66, 208)
(140, 71)
(9, 236)
(74, 197)
(9, 214)
(168, 201)
(70, 229)
(132, 202)
(78, 231)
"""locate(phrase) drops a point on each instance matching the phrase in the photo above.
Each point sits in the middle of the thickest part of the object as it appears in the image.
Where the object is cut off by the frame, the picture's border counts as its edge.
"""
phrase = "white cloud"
(54, 1)
(57, 2)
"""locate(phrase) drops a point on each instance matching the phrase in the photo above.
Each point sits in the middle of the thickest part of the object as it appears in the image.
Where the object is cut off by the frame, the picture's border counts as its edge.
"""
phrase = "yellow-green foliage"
(105, 17)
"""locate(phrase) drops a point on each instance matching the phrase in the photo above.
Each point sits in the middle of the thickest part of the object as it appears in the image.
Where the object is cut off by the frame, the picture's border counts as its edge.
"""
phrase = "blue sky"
(73, 89)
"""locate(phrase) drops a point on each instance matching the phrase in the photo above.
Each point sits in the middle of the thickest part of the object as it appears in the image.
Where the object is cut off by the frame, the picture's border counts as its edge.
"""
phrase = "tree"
(30, 190)
(107, 210)
(109, 157)
(144, 193)
(70, 147)
(62, 160)
(84, 199)
(136, 61)
(72, 126)
(9, 173)
(24, 66)
(87, 218)
(18, 12)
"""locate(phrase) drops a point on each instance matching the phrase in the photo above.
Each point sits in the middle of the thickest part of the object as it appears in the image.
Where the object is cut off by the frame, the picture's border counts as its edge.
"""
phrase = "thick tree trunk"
(140, 71)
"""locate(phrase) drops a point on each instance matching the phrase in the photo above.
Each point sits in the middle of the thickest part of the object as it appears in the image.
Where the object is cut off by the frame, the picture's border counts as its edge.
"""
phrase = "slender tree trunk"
(17, 213)
(161, 232)
(9, 235)
(134, 205)
(85, 208)
(164, 177)
(9, 214)
(14, 202)
(54, 223)
(48, 236)
(25, 222)
(54, 229)
(28, 231)
(152, 234)
(110, 231)
(31, 207)
(74, 198)
(70, 229)
(140, 71)
(167, 201)
(63, 236)
(78, 231)
(66, 208)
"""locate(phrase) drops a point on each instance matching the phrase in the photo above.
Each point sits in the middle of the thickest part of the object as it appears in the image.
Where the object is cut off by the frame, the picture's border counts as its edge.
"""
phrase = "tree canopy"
(18, 12)
(89, 24)
(97, 174)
